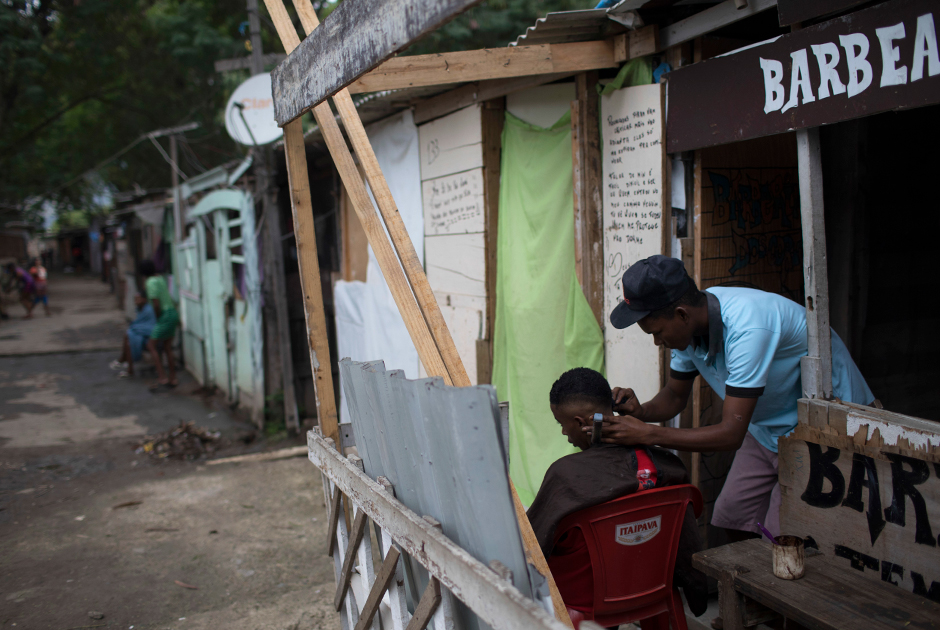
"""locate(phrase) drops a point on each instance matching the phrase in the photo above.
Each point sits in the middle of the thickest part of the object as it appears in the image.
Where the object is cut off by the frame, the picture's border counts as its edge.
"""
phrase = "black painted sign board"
(878, 59)
(795, 11)
(867, 510)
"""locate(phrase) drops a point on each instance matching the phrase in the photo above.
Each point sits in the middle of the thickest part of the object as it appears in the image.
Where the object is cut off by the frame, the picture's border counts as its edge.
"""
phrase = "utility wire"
(168, 159)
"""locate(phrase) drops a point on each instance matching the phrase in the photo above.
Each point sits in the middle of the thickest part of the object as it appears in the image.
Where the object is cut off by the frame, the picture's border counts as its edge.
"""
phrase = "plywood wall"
(451, 151)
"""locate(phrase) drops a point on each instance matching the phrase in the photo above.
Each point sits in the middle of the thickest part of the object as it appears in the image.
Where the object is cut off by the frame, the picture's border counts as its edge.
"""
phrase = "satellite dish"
(252, 103)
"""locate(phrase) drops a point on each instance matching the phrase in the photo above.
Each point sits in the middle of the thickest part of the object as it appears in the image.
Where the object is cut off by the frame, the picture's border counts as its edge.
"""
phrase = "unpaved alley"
(96, 535)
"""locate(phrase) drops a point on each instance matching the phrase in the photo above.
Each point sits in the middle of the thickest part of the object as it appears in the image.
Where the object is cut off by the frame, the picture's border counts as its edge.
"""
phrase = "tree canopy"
(82, 80)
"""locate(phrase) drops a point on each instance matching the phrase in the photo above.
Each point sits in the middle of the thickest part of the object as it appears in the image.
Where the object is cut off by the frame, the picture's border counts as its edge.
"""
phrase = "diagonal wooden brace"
(345, 576)
(382, 581)
(335, 510)
(427, 606)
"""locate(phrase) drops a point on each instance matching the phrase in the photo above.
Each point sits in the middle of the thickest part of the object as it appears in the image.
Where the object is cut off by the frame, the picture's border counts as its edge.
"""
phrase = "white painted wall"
(454, 250)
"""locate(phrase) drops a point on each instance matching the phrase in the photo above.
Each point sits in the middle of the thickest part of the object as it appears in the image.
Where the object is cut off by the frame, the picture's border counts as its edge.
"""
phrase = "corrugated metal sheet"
(442, 449)
(571, 26)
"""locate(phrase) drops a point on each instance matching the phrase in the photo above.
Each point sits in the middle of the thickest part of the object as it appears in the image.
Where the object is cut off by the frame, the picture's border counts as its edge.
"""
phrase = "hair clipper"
(598, 426)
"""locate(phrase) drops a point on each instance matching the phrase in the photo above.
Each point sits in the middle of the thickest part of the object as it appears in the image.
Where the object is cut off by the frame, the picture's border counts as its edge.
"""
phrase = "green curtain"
(544, 324)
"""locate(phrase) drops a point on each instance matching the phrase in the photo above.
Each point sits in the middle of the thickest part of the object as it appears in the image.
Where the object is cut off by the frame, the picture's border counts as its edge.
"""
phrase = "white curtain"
(368, 324)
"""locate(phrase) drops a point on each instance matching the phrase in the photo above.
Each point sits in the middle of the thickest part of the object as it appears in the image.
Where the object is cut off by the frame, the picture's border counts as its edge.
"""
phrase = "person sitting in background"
(138, 334)
(39, 274)
(26, 285)
(161, 337)
(595, 475)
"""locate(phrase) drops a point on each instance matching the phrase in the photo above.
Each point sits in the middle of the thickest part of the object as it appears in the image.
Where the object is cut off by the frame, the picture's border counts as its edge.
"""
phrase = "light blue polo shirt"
(764, 338)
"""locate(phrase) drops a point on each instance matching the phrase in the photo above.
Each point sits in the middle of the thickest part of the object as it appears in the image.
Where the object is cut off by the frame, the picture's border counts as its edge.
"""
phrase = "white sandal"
(117, 366)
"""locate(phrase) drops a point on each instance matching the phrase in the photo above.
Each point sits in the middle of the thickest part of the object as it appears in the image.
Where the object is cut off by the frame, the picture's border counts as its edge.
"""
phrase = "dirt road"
(87, 525)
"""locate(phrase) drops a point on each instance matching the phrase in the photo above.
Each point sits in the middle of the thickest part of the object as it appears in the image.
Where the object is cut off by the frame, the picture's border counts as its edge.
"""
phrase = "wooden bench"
(828, 597)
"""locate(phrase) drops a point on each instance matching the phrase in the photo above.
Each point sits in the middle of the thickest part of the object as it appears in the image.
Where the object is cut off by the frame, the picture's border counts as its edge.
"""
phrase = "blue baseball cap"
(649, 285)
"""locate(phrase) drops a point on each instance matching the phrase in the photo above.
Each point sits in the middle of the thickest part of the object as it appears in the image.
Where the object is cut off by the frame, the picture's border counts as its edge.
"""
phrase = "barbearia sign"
(879, 59)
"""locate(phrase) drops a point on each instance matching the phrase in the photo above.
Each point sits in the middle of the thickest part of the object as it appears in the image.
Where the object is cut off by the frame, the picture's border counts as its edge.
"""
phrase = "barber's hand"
(626, 402)
(623, 430)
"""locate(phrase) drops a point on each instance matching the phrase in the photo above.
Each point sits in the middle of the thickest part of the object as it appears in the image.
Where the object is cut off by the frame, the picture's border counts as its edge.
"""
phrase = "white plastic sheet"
(368, 324)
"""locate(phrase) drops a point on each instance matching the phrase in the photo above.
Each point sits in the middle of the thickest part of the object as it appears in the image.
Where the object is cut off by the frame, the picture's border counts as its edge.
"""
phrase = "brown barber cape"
(606, 472)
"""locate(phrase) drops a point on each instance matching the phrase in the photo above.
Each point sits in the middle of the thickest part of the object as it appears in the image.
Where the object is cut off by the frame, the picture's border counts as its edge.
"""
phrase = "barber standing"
(747, 345)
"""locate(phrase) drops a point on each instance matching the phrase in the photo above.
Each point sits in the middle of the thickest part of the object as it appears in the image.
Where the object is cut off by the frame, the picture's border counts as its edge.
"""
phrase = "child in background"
(26, 285)
(39, 274)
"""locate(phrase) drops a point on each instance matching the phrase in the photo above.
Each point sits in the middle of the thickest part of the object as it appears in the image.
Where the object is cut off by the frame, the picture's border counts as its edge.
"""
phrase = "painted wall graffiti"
(880, 514)
(751, 229)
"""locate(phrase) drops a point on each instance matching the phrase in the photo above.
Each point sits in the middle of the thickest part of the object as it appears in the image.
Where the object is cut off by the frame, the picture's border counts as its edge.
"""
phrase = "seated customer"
(597, 474)
(138, 333)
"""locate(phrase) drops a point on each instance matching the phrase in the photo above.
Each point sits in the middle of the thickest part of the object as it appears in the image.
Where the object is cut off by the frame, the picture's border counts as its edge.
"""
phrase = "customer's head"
(139, 300)
(575, 397)
(146, 268)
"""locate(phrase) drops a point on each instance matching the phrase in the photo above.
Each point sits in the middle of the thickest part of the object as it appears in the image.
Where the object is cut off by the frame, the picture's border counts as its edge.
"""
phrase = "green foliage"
(80, 79)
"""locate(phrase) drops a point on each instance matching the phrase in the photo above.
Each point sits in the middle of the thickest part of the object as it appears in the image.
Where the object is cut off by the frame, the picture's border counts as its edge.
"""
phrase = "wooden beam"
(359, 35)
(636, 44)
(477, 92)
(816, 367)
(309, 265)
(710, 20)
(487, 64)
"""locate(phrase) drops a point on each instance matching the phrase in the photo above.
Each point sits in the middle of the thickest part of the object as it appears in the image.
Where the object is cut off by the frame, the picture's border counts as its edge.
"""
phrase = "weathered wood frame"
(454, 572)
(410, 288)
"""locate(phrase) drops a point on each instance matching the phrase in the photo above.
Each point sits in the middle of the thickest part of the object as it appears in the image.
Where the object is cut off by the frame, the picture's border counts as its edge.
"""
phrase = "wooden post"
(306, 239)
(696, 227)
(273, 251)
(816, 367)
(175, 183)
(492, 119)
(586, 163)
(274, 266)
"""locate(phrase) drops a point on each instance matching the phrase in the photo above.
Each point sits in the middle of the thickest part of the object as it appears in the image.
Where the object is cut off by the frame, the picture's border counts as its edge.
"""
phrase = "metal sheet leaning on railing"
(496, 601)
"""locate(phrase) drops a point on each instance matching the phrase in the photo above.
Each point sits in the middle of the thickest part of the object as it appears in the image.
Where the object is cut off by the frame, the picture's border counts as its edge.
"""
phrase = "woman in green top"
(165, 330)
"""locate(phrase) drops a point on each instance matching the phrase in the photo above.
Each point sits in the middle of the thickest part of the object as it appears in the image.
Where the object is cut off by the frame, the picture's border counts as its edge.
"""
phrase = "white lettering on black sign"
(858, 73)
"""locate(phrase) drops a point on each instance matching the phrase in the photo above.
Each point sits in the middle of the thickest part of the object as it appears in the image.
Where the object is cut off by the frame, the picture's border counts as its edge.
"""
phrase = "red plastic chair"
(636, 531)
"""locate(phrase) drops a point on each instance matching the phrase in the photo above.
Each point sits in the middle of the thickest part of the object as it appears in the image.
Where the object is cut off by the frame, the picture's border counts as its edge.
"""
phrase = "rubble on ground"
(187, 441)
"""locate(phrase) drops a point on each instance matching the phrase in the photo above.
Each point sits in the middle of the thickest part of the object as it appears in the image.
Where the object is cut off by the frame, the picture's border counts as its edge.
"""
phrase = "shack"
(741, 137)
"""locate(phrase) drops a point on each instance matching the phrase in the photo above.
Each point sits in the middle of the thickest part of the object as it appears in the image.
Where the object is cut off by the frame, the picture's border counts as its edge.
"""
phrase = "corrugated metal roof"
(569, 26)
(578, 26)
